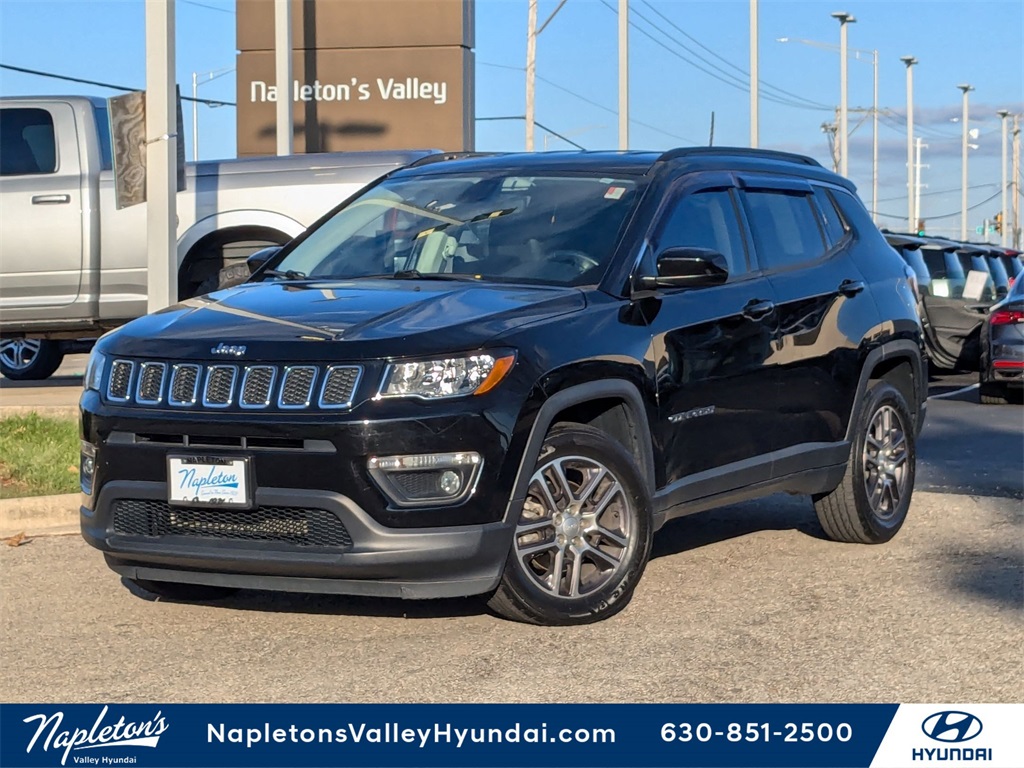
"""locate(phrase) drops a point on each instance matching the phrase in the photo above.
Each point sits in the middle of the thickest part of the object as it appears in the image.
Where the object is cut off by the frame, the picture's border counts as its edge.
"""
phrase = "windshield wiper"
(415, 274)
(288, 274)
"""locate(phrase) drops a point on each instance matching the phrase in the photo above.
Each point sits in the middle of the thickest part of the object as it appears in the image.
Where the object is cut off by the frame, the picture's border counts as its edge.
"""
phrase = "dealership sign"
(409, 89)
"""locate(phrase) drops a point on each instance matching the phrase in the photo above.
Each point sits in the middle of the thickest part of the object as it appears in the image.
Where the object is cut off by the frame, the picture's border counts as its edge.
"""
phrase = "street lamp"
(197, 80)
(1003, 217)
(532, 30)
(912, 213)
(966, 88)
(874, 106)
(844, 19)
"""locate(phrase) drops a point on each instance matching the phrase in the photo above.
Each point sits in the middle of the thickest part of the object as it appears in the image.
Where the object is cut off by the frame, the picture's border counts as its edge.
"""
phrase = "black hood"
(341, 320)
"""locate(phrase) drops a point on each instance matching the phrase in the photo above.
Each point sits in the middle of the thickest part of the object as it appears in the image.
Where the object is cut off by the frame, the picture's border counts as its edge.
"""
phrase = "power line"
(942, 216)
(593, 103)
(940, 192)
(538, 124)
(739, 69)
(209, 7)
(111, 86)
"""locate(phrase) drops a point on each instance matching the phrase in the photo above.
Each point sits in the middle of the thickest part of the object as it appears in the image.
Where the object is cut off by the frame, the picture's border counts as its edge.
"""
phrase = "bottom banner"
(535, 735)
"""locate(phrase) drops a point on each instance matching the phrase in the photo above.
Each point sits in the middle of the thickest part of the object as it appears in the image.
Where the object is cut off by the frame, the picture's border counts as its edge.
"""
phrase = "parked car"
(74, 265)
(951, 321)
(501, 375)
(1002, 350)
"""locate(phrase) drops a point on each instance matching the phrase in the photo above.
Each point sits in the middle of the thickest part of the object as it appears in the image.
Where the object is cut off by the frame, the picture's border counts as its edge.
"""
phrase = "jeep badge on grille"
(228, 349)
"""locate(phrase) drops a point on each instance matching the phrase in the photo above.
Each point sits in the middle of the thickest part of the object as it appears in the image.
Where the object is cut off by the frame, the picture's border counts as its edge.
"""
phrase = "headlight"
(94, 371)
(449, 377)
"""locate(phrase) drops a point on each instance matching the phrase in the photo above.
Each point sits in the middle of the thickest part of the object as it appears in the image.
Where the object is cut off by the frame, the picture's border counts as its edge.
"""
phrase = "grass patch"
(38, 456)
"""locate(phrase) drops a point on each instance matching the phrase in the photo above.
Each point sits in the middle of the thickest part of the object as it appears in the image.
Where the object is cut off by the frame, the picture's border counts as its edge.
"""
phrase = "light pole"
(910, 61)
(1003, 218)
(844, 19)
(623, 74)
(874, 105)
(196, 82)
(754, 106)
(532, 30)
(966, 88)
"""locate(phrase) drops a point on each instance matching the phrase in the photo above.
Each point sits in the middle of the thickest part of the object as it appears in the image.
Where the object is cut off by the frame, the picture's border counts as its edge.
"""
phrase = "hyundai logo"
(951, 726)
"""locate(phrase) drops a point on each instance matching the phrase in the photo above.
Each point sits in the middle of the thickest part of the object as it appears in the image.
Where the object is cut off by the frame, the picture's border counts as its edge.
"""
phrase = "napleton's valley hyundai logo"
(52, 734)
(951, 727)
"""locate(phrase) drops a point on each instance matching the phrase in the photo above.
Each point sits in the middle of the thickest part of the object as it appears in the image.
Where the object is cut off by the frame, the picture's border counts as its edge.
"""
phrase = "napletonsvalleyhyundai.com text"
(394, 733)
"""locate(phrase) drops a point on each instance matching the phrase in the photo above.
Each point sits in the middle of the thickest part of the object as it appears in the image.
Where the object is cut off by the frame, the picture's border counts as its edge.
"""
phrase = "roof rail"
(441, 157)
(766, 154)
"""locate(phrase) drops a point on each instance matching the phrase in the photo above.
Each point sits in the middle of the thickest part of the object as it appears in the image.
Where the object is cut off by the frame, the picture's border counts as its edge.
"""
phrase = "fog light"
(87, 467)
(450, 482)
(426, 479)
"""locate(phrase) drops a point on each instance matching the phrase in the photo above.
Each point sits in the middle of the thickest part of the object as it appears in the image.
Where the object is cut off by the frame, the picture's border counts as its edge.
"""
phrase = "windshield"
(558, 230)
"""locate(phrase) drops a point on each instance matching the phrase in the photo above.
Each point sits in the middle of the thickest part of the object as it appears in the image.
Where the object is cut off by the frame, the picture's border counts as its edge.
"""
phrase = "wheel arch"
(900, 363)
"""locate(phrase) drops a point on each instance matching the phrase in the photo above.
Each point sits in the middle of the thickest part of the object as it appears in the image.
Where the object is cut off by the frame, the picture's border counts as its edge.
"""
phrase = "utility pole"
(910, 61)
(531, 71)
(917, 185)
(195, 119)
(1015, 183)
(966, 88)
(623, 74)
(874, 137)
(161, 156)
(1003, 217)
(283, 67)
(844, 136)
(754, 105)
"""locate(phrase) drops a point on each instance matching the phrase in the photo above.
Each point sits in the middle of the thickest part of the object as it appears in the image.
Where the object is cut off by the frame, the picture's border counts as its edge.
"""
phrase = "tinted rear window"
(785, 228)
(27, 144)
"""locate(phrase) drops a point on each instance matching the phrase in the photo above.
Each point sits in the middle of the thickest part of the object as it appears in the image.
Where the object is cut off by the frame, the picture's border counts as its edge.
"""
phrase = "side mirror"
(688, 267)
(257, 259)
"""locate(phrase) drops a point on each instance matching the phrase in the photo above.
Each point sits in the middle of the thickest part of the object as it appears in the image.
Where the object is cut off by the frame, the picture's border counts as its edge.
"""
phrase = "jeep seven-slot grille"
(227, 386)
(298, 526)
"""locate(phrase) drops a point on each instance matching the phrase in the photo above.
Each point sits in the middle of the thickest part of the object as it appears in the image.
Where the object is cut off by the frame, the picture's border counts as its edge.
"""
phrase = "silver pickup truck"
(73, 266)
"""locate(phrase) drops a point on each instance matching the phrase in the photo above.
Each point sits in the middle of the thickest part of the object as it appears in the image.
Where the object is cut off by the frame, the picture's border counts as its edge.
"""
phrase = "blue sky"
(671, 100)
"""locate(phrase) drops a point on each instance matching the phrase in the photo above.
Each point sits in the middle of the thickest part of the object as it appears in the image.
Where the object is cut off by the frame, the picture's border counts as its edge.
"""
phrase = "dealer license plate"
(208, 481)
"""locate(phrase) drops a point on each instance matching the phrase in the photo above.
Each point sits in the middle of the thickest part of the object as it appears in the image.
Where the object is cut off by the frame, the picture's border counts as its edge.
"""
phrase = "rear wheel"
(583, 538)
(171, 590)
(29, 359)
(870, 504)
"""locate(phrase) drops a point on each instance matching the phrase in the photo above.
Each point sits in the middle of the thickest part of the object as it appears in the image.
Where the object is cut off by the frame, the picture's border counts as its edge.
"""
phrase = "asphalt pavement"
(746, 603)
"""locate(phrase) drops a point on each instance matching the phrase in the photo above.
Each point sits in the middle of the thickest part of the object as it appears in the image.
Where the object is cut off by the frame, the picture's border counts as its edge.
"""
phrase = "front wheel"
(870, 504)
(583, 537)
(30, 359)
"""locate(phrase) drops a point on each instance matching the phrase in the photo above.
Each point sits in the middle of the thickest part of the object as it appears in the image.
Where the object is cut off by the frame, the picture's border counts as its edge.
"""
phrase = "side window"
(835, 230)
(785, 227)
(706, 220)
(27, 144)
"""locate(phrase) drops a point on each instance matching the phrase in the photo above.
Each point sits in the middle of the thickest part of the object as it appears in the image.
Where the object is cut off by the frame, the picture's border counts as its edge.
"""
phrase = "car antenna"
(711, 138)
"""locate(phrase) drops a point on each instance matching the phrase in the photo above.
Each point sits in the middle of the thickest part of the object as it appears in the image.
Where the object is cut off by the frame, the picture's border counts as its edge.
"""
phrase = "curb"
(40, 515)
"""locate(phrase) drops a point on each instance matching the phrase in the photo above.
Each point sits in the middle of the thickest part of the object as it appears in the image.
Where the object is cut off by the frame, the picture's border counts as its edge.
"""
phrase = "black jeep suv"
(502, 374)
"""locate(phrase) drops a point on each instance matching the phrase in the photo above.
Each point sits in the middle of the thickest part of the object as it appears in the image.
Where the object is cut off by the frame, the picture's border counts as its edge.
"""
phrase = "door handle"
(757, 309)
(50, 199)
(851, 288)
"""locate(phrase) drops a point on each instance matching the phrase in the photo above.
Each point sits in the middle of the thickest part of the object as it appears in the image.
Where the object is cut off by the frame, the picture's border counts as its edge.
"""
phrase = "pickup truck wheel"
(870, 504)
(228, 277)
(29, 359)
(583, 538)
(993, 394)
(170, 590)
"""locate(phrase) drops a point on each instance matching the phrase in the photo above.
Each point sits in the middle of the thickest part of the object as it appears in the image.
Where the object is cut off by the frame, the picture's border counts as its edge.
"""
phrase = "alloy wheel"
(574, 534)
(885, 462)
(19, 354)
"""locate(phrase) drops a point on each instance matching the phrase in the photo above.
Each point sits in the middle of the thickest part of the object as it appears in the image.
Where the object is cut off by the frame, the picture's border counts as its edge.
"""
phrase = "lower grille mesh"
(298, 526)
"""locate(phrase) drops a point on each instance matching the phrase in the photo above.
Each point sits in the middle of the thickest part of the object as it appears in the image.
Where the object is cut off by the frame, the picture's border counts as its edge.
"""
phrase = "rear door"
(951, 322)
(717, 406)
(803, 245)
(40, 206)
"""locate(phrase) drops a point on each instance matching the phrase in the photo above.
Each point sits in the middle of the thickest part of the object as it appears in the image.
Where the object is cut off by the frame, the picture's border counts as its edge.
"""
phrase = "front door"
(40, 207)
(716, 404)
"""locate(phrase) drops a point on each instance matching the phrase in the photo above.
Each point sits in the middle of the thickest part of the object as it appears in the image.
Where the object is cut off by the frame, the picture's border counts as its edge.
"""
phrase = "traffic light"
(920, 227)
(999, 222)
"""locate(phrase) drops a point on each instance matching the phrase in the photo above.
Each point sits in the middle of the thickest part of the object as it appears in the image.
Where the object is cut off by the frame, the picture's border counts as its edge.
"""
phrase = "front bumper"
(407, 563)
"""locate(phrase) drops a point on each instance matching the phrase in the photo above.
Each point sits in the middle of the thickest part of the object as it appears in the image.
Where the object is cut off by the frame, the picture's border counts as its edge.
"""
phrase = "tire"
(849, 513)
(607, 533)
(170, 590)
(993, 394)
(30, 359)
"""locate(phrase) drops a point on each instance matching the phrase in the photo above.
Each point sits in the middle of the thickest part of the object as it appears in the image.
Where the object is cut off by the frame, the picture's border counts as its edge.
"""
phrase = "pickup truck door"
(40, 206)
